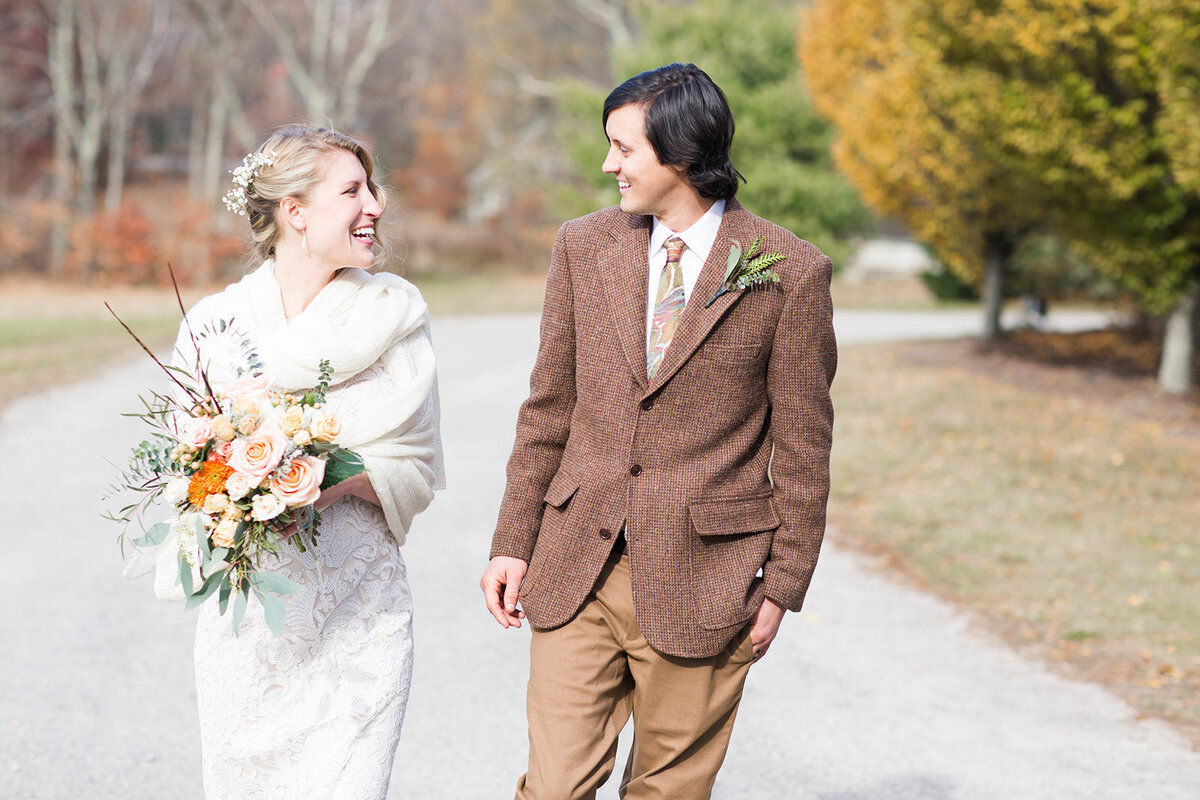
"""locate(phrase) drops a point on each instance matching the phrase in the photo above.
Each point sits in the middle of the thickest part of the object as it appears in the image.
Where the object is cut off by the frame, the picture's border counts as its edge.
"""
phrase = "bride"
(316, 712)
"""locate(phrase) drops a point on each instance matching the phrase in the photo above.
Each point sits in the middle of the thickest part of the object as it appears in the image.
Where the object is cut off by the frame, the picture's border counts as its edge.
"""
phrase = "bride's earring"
(304, 240)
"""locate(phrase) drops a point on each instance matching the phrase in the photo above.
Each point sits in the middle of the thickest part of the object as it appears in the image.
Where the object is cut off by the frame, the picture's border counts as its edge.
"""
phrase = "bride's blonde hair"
(296, 154)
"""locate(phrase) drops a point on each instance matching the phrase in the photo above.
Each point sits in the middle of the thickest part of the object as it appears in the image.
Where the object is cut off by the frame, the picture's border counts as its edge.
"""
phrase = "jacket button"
(635, 470)
(647, 405)
(605, 533)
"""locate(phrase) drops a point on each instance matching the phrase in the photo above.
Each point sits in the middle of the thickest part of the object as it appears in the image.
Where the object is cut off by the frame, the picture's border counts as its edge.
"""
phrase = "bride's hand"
(357, 485)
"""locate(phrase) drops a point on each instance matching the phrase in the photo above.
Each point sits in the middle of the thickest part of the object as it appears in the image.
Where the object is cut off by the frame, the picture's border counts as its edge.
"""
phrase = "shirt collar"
(699, 238)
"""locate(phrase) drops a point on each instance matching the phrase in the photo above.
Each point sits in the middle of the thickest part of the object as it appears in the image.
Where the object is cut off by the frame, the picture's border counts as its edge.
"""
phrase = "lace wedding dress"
(316, 712)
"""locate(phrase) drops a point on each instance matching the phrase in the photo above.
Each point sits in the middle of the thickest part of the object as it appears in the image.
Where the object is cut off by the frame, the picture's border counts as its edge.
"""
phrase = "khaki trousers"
(588, 676)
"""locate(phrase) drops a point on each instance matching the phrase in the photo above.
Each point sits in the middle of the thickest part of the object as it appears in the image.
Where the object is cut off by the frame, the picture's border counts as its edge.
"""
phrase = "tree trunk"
(1176, 370)
(61, 60)
(997, 251)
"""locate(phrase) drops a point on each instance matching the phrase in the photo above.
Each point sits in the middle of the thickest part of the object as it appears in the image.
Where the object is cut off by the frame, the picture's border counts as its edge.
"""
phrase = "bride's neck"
(299, 279)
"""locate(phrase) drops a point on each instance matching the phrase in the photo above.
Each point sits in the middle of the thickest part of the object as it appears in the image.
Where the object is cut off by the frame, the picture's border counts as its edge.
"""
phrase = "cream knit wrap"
(357, 321)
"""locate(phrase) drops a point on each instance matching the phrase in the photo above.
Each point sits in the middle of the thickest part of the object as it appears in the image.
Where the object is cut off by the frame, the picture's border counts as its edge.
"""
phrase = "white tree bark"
(1176, 369)
(60, 67)
(131, 61)
(329, 77)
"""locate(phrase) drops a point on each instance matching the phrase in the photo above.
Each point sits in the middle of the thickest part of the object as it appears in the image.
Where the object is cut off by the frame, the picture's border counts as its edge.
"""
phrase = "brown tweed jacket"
(718, 468)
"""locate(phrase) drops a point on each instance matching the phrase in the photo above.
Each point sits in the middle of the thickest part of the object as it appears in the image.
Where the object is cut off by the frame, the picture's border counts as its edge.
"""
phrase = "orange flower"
(209, 479)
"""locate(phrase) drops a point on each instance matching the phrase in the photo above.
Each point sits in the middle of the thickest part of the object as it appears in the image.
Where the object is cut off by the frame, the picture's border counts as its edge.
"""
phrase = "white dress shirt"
(699, 240)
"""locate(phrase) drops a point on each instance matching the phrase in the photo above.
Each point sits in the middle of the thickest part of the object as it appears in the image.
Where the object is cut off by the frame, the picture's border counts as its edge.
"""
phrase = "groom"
(666, 492)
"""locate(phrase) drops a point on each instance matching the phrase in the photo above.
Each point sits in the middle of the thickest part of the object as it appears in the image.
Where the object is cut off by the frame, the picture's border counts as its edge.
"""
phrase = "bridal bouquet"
(240, 465)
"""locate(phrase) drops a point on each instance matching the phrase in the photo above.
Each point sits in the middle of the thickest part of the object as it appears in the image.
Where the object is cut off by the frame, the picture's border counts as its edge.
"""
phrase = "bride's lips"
(365, 234)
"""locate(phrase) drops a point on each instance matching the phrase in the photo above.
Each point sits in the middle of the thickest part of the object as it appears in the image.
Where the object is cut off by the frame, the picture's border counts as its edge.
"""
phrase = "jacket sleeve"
(544, 421)
(801, 369)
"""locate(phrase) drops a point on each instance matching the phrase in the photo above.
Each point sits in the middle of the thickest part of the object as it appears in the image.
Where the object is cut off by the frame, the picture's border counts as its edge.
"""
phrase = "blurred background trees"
(1027, 144)
(979, 123)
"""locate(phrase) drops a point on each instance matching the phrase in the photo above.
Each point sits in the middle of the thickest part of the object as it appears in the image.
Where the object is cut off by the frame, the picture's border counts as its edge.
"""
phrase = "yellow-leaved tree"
(881, 86)
(1084, 110)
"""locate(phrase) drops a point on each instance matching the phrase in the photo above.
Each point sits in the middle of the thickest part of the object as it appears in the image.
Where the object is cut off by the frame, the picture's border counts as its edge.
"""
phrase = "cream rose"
(302, 438)
(197, 431)
(223, 535)
(216, 503)
(292, 420)
(258, 454)
(223, 428)
(266, 507)
(247, 425)
(176, 490)
(325, 427)
(238, 485)
(300, 485)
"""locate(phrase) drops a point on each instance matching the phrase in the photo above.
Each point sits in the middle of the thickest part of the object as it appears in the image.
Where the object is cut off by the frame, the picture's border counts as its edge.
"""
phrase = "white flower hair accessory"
(243, 180)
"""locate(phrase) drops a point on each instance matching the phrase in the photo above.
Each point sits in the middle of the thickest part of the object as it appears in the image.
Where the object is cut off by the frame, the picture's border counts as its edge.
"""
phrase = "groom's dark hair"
(688, 121)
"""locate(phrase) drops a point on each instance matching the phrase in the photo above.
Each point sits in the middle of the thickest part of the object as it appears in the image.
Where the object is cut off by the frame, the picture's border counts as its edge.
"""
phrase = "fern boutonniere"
(749, 269)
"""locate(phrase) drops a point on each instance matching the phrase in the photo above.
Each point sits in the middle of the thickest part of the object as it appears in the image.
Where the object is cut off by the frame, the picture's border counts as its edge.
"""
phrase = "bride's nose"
(371, 207)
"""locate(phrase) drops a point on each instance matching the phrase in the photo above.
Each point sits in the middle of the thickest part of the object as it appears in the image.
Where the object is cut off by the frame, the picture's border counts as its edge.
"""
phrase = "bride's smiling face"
(340, 214)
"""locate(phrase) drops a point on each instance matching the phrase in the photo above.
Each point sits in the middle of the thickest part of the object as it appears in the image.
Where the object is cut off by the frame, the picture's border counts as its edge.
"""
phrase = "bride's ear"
(292, 212)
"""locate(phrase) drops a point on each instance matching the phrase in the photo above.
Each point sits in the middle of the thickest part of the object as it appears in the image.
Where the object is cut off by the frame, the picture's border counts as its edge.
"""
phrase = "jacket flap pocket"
(561, 488)
(734, 515)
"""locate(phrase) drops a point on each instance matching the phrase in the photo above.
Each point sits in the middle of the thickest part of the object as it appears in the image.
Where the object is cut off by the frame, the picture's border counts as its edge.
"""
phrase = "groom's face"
(646, 185)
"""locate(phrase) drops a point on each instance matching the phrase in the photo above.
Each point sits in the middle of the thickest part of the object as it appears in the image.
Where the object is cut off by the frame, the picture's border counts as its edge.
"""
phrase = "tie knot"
(675, 247)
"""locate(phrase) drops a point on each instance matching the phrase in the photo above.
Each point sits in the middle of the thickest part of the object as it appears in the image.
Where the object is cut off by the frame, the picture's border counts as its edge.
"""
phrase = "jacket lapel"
(622, 270)
(697, 320)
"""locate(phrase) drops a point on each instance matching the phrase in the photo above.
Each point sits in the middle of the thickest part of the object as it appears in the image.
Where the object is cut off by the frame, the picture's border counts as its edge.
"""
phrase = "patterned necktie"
(669, 302)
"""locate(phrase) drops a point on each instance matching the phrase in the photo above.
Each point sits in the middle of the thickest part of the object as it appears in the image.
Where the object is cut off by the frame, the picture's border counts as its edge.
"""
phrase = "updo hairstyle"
(296, 165)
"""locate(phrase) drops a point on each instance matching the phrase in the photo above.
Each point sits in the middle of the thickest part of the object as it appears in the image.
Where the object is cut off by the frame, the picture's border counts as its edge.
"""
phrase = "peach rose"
(292, 420)
(247, 386)
(258, 454)
(222, 450)
(223, 535)
(223, 428)
(300, 485)
(325, 427)
(266, 507)
(197, 431)
(247, 424)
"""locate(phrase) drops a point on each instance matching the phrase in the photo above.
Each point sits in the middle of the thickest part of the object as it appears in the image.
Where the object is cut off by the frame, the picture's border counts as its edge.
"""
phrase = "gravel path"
(874, 692)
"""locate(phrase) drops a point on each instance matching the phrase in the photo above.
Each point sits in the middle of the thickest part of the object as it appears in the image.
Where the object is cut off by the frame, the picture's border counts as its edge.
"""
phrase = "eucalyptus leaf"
(735, 255)
(202, 540)
(210, 586)
(342, 464)
(223, 596)
(185, 576)
(155, 535)
(239, 609)
(275, 612)
(215, 556)
(274, 582)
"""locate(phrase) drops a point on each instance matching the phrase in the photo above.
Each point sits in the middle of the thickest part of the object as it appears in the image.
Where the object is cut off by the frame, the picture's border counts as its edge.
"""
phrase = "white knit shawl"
(357, 321)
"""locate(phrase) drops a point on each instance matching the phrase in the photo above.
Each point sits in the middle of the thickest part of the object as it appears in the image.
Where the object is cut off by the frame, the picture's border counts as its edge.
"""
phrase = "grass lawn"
(52, 333)
(1058, 504)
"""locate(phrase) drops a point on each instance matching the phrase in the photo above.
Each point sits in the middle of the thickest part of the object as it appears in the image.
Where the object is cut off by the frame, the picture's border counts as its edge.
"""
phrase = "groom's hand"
(765, 626)
(501, 583)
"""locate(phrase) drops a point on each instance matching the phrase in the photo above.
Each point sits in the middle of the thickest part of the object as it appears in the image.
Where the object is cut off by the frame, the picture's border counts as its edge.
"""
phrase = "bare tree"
(224, 111)
(341, 50)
